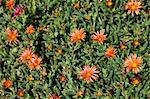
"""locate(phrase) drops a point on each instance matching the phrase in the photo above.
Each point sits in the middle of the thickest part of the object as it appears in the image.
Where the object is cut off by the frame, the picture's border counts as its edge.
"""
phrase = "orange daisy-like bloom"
(8, 83)
(133, 6)
(77, 35)
(30, 29)
(10, 4)
(62, 78)
(133, 63)
(110, 52)
(12, 35)
(27, 55)
(35, 63)
(89, 73)
(99, 37)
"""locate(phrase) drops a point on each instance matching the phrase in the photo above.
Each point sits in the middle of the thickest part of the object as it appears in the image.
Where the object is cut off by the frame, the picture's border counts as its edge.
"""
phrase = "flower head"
(8, 83)
(12, 35)
(135, 80)
(99, 37)
(133, 6)
(123, 46)
(133, 63)
(62, 78)
(27, 55)
(110, 52)
(10, 4)
(89, 73)
(30, 29)
(18, 11)
(109, 3)
(77, 35)
(54, 96)
(35, 62)
(20, 92)
(80, 93)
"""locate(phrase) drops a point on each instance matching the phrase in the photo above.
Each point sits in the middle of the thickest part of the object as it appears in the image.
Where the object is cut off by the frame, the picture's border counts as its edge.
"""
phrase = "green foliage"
(59, 18)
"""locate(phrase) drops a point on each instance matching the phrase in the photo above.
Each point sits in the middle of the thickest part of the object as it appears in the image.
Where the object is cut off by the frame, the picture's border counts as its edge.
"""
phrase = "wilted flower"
(135, 80)
(18, 11)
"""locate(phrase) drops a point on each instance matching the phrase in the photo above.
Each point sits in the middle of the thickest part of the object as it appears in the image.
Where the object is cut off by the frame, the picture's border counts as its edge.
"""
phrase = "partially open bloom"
(133, 63)
(10, 4)
(20, 92)
(35, 63)
(18, 11)
(30, 29)
(12, 35)
(77, 35)
(77, 5)
(136, 43)
(62, 78)
(80, 93)
(110, 52)
(133, 6)
(99, 37)
(135, 80)
(27, 55)
(8, 83)
(89, 73)
(123, 46)
(54, 96)
(109, 3)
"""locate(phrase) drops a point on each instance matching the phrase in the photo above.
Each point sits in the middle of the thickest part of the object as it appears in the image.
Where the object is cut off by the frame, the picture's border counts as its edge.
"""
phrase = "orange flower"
(20, 93)
(109, 3)
(133, 6)
(62, 78)
(30, 29)
(27, 55)
(12, 35)
(110, 52)
(99, 37)
(8, 83)
(89, 73)
(10, 4)
(77, 35)
(133, 63)
(35, 63)
(77, 5)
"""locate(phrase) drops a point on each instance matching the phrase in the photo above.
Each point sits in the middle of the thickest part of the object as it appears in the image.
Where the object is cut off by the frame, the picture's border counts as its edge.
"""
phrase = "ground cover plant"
(74, 49)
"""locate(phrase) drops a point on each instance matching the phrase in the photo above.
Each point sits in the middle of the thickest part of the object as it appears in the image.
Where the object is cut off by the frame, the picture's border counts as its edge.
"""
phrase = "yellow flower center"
(109, 3)
(88, 74)
(136, 82)
(79, 37)
(133, 7)
(134, 64)
(28, 57)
